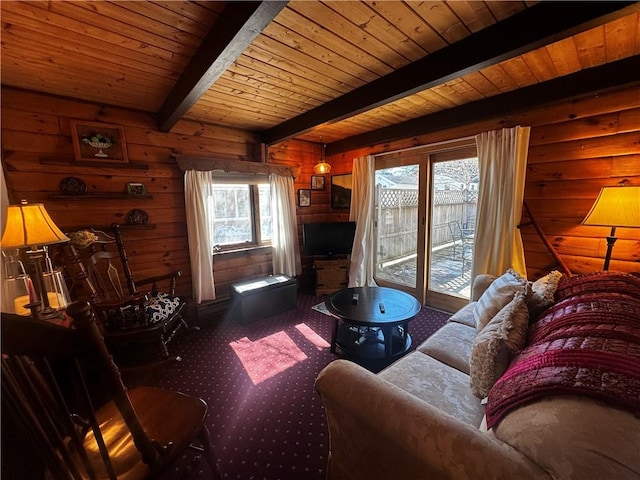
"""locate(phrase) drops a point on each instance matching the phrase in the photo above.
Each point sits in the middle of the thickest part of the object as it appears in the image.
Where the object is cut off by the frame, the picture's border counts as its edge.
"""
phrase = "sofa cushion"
(495, 345)
(465, 315)
(575, 437)
(499, 294)
(451, 344)
(437, 384)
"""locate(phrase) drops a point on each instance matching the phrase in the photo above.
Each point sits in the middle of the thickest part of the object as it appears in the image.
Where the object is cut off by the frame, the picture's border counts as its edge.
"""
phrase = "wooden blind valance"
(237, 166)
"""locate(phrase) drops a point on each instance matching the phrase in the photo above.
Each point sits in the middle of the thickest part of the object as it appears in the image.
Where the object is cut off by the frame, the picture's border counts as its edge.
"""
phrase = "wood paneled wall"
(306, 155)
(576, 147)
(37, 153)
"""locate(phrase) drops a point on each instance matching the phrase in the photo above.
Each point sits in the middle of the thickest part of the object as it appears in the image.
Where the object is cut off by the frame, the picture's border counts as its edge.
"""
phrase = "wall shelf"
(107, 228)
(98, 196)
(96, 163)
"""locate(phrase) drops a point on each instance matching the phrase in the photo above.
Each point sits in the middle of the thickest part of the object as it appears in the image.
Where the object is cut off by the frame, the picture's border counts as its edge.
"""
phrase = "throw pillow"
(497, 343)
(543, 293)
(499, 294)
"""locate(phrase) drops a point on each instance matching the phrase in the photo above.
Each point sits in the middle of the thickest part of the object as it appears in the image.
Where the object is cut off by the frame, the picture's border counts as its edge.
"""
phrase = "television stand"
(332, 274)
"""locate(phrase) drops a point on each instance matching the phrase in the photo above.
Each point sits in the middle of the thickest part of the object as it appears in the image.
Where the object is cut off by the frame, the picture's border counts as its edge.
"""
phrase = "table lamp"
(30, 226)
(615, 207)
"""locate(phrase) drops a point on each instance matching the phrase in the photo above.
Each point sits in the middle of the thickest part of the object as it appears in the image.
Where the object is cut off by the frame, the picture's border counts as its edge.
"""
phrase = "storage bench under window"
(262, 297)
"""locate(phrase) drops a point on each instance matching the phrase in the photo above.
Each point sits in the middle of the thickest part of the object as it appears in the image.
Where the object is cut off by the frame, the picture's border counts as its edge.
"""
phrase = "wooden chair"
(62, 388)
(138, 324)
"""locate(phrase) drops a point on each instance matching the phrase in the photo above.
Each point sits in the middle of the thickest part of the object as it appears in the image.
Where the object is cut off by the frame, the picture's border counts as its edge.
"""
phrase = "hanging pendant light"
(322, 166)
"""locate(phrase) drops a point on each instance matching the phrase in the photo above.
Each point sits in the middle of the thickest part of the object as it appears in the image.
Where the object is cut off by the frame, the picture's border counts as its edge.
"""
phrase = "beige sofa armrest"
(379, 431)
(480, 285)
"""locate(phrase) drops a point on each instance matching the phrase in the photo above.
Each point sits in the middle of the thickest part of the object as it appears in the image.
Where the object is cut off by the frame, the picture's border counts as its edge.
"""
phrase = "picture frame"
(304, 197)
(98, 142)
(317, 182)
(136, 189)
(341, 186)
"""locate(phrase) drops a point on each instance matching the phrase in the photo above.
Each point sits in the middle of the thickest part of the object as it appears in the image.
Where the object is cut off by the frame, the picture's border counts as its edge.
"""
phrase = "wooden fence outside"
(397, 219)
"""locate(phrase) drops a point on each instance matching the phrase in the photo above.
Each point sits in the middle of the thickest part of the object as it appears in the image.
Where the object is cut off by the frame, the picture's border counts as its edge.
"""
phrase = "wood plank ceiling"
(342, 73)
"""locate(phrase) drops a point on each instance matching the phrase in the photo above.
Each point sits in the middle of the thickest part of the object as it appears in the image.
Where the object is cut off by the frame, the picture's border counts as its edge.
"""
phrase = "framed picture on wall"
(317, 182)
(341, 186)
(98, 142)
(136, 189)
(304, 197)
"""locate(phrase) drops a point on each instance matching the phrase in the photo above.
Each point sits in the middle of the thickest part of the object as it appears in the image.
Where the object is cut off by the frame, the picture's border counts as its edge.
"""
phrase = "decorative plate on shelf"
(72, 186)
(137, 217)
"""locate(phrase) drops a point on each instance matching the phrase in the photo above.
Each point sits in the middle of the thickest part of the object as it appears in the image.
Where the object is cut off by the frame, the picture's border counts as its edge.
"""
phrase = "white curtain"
(502, 157)
(361, 269)
(284, 240)
(198, 187)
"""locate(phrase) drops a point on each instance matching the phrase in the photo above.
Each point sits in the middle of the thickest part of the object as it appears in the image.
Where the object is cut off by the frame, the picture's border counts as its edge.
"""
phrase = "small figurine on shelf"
(73, 186)
(136, 189)
(137, 217)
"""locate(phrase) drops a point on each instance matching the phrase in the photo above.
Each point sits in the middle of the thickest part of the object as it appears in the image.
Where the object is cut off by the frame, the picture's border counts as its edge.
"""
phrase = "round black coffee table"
(371, 322)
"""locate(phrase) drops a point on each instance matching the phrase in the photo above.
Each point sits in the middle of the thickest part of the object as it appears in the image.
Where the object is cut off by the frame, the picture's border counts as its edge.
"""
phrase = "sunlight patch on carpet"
(267, 357)
(312, 336)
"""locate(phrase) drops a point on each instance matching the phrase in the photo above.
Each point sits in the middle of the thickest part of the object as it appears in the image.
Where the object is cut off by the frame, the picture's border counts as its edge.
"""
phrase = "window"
(240, 215)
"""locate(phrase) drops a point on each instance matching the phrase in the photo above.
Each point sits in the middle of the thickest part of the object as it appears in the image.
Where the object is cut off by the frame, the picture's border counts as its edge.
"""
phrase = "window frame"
(254, 214)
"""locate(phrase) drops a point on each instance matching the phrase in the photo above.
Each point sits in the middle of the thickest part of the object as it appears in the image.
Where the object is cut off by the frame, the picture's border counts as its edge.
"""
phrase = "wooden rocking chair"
(61, 388)
(137, 324)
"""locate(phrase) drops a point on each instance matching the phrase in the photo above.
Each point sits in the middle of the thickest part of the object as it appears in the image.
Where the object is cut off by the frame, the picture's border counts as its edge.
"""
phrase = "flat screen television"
(328, 239)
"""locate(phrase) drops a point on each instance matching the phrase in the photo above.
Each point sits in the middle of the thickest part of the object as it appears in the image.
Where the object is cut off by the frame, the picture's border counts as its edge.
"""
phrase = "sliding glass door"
(453, 202)
(398, 228)
(425, 223)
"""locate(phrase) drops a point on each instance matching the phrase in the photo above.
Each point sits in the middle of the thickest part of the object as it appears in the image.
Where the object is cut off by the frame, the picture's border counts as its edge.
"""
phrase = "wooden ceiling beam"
(595, 79)
(237, 26)
(544, 23)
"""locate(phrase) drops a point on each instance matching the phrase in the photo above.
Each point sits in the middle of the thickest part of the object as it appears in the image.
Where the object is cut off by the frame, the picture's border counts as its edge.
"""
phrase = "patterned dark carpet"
(266, 419)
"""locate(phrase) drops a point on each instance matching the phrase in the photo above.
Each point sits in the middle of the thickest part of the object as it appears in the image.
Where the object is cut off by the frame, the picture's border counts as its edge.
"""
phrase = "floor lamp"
(30, 226)
(615, 207)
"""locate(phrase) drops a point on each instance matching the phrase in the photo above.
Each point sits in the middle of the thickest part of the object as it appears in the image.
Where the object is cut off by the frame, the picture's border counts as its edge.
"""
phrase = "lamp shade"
(322, 167)
(30, 225)
(615, 207)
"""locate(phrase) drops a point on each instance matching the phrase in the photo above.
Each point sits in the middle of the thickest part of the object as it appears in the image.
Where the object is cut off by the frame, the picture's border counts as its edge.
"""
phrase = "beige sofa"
(419, 419)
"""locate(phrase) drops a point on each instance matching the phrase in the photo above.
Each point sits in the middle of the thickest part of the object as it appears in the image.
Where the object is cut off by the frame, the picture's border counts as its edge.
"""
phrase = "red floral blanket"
(588, 343)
